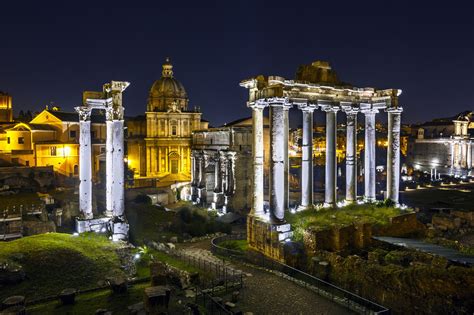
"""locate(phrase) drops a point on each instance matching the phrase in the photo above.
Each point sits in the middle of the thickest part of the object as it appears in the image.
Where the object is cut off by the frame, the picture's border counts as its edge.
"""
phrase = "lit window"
(21, 140)
(53, 151)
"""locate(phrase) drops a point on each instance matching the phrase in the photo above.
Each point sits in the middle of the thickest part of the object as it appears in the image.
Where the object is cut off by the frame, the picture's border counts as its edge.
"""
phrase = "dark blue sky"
(52, 52)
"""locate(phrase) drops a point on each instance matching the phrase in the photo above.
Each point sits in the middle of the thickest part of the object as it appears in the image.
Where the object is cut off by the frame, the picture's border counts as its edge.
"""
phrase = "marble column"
(109, 168)
(119, 168)
(369, 155)
(351, 155)
(231, 157)
(393, 154)
(85, 162)
(307, 157)
(286, 160)
(330, 192)
(278, 148)
(469, 155)
(258, 159)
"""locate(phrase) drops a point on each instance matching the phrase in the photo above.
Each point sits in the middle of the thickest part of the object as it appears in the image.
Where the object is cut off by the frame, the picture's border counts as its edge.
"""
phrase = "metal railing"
(321, 287)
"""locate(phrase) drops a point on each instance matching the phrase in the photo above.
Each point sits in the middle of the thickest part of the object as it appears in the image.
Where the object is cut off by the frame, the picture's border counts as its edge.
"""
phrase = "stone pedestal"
(268, 238)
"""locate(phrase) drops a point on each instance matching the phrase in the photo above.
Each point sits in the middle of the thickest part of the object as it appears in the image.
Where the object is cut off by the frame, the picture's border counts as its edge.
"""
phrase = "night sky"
(52, 52)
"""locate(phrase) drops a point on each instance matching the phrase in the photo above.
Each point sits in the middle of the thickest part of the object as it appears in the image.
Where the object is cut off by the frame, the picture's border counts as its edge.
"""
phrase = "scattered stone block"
(174, 239)
(171, 246)
(157, 298)
(68, 296)
(14, 300)
(118, 284)
(103, 311)
(189, 293)
(229, 305)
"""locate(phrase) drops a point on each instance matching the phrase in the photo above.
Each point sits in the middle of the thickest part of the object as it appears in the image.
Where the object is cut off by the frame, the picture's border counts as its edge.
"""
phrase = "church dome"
(167, 91)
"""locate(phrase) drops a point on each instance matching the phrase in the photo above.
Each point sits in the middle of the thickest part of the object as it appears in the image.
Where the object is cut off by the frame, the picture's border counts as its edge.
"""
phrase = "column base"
(329, 205)
(369, 199)
(119, 231)
(109, 213)
(302, 208)
(98, 225)
(268, 238)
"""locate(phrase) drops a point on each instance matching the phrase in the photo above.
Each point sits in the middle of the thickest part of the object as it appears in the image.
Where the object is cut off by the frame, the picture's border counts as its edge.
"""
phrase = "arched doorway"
(174, 162)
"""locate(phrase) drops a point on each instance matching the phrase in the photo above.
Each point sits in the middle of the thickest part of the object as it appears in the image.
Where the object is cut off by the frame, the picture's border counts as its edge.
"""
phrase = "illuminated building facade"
(159, 143)
(443, 146)
(221, 160)
(52, 139)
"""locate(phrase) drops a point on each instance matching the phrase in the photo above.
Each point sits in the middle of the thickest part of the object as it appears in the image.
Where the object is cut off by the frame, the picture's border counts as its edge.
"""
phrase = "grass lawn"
(143, 269)
(239, 245)
(328, 218)
(56, 261)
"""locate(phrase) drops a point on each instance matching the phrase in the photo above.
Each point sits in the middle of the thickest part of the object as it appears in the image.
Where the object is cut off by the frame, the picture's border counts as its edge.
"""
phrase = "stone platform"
(119, 229)
(268, 238)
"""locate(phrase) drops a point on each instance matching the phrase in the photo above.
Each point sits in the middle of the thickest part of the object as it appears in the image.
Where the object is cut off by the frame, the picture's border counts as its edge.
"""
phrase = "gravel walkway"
(266, 293)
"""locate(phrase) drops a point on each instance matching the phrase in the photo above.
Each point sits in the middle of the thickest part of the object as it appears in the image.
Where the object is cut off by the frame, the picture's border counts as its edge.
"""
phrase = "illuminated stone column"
(287, 162)
(109, 167)
(369, 156)
(469, 155)
(307, 157)
(278, 148)
(85, 162)
(330, 192)
(257, 152)
(393, 153)
(351, 154)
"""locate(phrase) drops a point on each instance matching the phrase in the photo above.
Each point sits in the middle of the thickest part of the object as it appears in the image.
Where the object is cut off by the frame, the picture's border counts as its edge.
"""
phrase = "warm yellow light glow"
(67, 151)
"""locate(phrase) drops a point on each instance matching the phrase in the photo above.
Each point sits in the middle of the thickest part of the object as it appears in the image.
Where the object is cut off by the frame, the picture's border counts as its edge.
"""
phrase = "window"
(72, 133)
(53, 151)
(21, 140)
(173, 130)
(102, 149)
(76, 169)
(93, 135)
(27, 163)
(8, 140)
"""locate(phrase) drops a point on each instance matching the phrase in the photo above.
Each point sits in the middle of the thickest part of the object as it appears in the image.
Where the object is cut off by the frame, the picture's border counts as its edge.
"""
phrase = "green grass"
(239, 245)
(329, 218)
(149, 255)
(56, 261)
(88, 303)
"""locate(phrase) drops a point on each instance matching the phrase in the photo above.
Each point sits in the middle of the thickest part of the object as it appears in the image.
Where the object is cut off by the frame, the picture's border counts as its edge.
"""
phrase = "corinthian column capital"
(84, 112)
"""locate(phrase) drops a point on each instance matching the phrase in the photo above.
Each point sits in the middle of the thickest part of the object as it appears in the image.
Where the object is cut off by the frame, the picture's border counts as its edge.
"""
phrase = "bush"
(197, 222)
(144, 199)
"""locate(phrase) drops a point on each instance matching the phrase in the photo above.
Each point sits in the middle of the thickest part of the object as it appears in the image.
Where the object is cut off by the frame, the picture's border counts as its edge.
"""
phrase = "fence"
(219, 277)
(321, 287)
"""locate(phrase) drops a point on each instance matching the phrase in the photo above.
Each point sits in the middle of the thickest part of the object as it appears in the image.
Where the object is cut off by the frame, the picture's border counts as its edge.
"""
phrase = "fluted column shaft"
(330, 192)
(369, 156)
(278, 152)
(118, 169)
(307, 157)
(351, 156)
(258, 160)
(393, 154)
(109, 168)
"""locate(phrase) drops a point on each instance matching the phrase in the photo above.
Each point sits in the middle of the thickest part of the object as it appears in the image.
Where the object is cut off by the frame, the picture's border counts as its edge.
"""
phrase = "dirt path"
(266, 293)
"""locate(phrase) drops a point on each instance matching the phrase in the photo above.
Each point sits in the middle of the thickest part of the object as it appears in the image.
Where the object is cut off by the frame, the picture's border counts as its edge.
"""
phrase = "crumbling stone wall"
(263, 237)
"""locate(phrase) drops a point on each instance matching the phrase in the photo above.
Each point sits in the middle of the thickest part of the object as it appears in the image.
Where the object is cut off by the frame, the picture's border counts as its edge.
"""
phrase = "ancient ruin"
(316, 87)
(110, 100)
